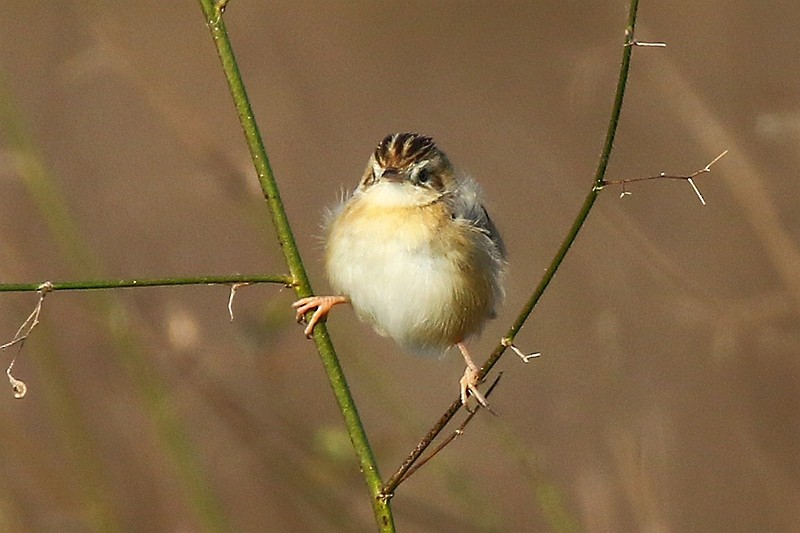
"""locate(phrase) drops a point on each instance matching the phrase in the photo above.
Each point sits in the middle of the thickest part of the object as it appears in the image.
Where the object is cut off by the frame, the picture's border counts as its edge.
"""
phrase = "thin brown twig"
(389, 487)
(447, 440)
(689, 178)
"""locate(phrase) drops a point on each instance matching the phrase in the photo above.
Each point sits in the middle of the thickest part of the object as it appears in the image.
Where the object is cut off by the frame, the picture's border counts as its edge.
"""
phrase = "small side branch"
(652, 44)
(403, 474)
(663, 176)
(526, 358)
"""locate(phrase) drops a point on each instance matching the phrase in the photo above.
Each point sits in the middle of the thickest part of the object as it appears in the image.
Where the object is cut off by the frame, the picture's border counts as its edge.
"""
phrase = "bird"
(413, 250)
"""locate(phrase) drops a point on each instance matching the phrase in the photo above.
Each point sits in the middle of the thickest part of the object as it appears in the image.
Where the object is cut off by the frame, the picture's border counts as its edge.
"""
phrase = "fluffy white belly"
(402, 280)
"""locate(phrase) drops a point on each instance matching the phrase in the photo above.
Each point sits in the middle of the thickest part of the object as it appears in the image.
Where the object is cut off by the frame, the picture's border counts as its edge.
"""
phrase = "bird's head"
(408, 169)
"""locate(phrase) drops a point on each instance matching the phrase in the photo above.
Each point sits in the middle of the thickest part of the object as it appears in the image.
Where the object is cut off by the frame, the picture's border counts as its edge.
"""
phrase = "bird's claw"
(321, 305)
(469, 382)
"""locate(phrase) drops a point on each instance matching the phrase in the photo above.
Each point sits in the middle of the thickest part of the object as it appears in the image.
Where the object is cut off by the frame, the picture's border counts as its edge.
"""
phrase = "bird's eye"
(423, 176)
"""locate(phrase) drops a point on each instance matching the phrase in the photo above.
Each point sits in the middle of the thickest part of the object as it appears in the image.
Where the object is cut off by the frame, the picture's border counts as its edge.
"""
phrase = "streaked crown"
(411, 156)
(401, 150)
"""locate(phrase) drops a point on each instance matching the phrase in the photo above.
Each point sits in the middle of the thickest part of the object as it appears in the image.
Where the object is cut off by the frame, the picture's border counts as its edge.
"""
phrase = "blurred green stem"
(358, 437)
(572, 234)
(149, 385)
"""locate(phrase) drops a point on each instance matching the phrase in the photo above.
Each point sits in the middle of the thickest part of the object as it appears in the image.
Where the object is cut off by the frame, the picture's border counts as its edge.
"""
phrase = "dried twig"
(18, 386)
(235, 287)
(663, 176)
(526, 358)
(655, 44)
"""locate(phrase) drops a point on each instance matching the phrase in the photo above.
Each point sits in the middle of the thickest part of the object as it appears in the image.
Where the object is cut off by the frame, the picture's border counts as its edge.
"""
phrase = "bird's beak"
(392, 174)
(389, 174)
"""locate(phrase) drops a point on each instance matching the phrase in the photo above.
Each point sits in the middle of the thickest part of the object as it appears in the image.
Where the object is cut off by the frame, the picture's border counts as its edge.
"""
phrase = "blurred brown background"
(667, 397)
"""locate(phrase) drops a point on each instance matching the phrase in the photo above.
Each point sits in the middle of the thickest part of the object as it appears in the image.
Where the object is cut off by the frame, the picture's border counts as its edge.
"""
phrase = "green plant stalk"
(597, 185)
(150, 388)
(588, 202)
(147, 282)
(358, 437)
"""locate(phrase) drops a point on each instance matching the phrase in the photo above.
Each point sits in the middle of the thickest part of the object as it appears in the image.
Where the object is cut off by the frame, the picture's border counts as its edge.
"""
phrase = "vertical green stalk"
(149, 386)
(369, 468)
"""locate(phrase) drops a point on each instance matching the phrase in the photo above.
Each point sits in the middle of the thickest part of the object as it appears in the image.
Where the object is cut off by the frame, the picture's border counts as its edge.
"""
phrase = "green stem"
(369, 468)
(588, 202)
(146, 282)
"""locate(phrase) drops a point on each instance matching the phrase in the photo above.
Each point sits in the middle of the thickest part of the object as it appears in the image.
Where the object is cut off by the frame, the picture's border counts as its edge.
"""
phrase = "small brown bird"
(415, 253)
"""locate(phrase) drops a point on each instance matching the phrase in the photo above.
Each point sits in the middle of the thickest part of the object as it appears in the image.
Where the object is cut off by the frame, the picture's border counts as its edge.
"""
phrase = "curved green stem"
(214, 19)
(583, 213)
(588, 202)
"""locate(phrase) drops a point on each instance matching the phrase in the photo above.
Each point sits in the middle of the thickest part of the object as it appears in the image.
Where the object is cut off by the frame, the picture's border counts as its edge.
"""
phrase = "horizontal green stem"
(147, 282)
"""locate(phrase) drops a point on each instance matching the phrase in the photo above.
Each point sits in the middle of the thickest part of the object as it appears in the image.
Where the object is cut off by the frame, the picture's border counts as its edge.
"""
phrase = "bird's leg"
(470, 379)
(322, 306)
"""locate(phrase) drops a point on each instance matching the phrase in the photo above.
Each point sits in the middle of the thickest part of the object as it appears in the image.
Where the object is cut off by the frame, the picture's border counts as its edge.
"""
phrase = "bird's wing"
(467, 205)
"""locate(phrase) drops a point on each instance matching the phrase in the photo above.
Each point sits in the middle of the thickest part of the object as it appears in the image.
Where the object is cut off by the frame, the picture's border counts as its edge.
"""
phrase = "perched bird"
(415, 253)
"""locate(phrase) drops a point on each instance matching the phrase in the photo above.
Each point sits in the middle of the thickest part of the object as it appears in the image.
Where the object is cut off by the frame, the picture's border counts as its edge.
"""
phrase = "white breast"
(412, 271)
(387, 261)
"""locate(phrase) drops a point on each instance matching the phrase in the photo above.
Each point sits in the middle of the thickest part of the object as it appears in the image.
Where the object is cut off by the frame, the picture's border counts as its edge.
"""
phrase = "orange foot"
(469, 381)
(323, 306)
